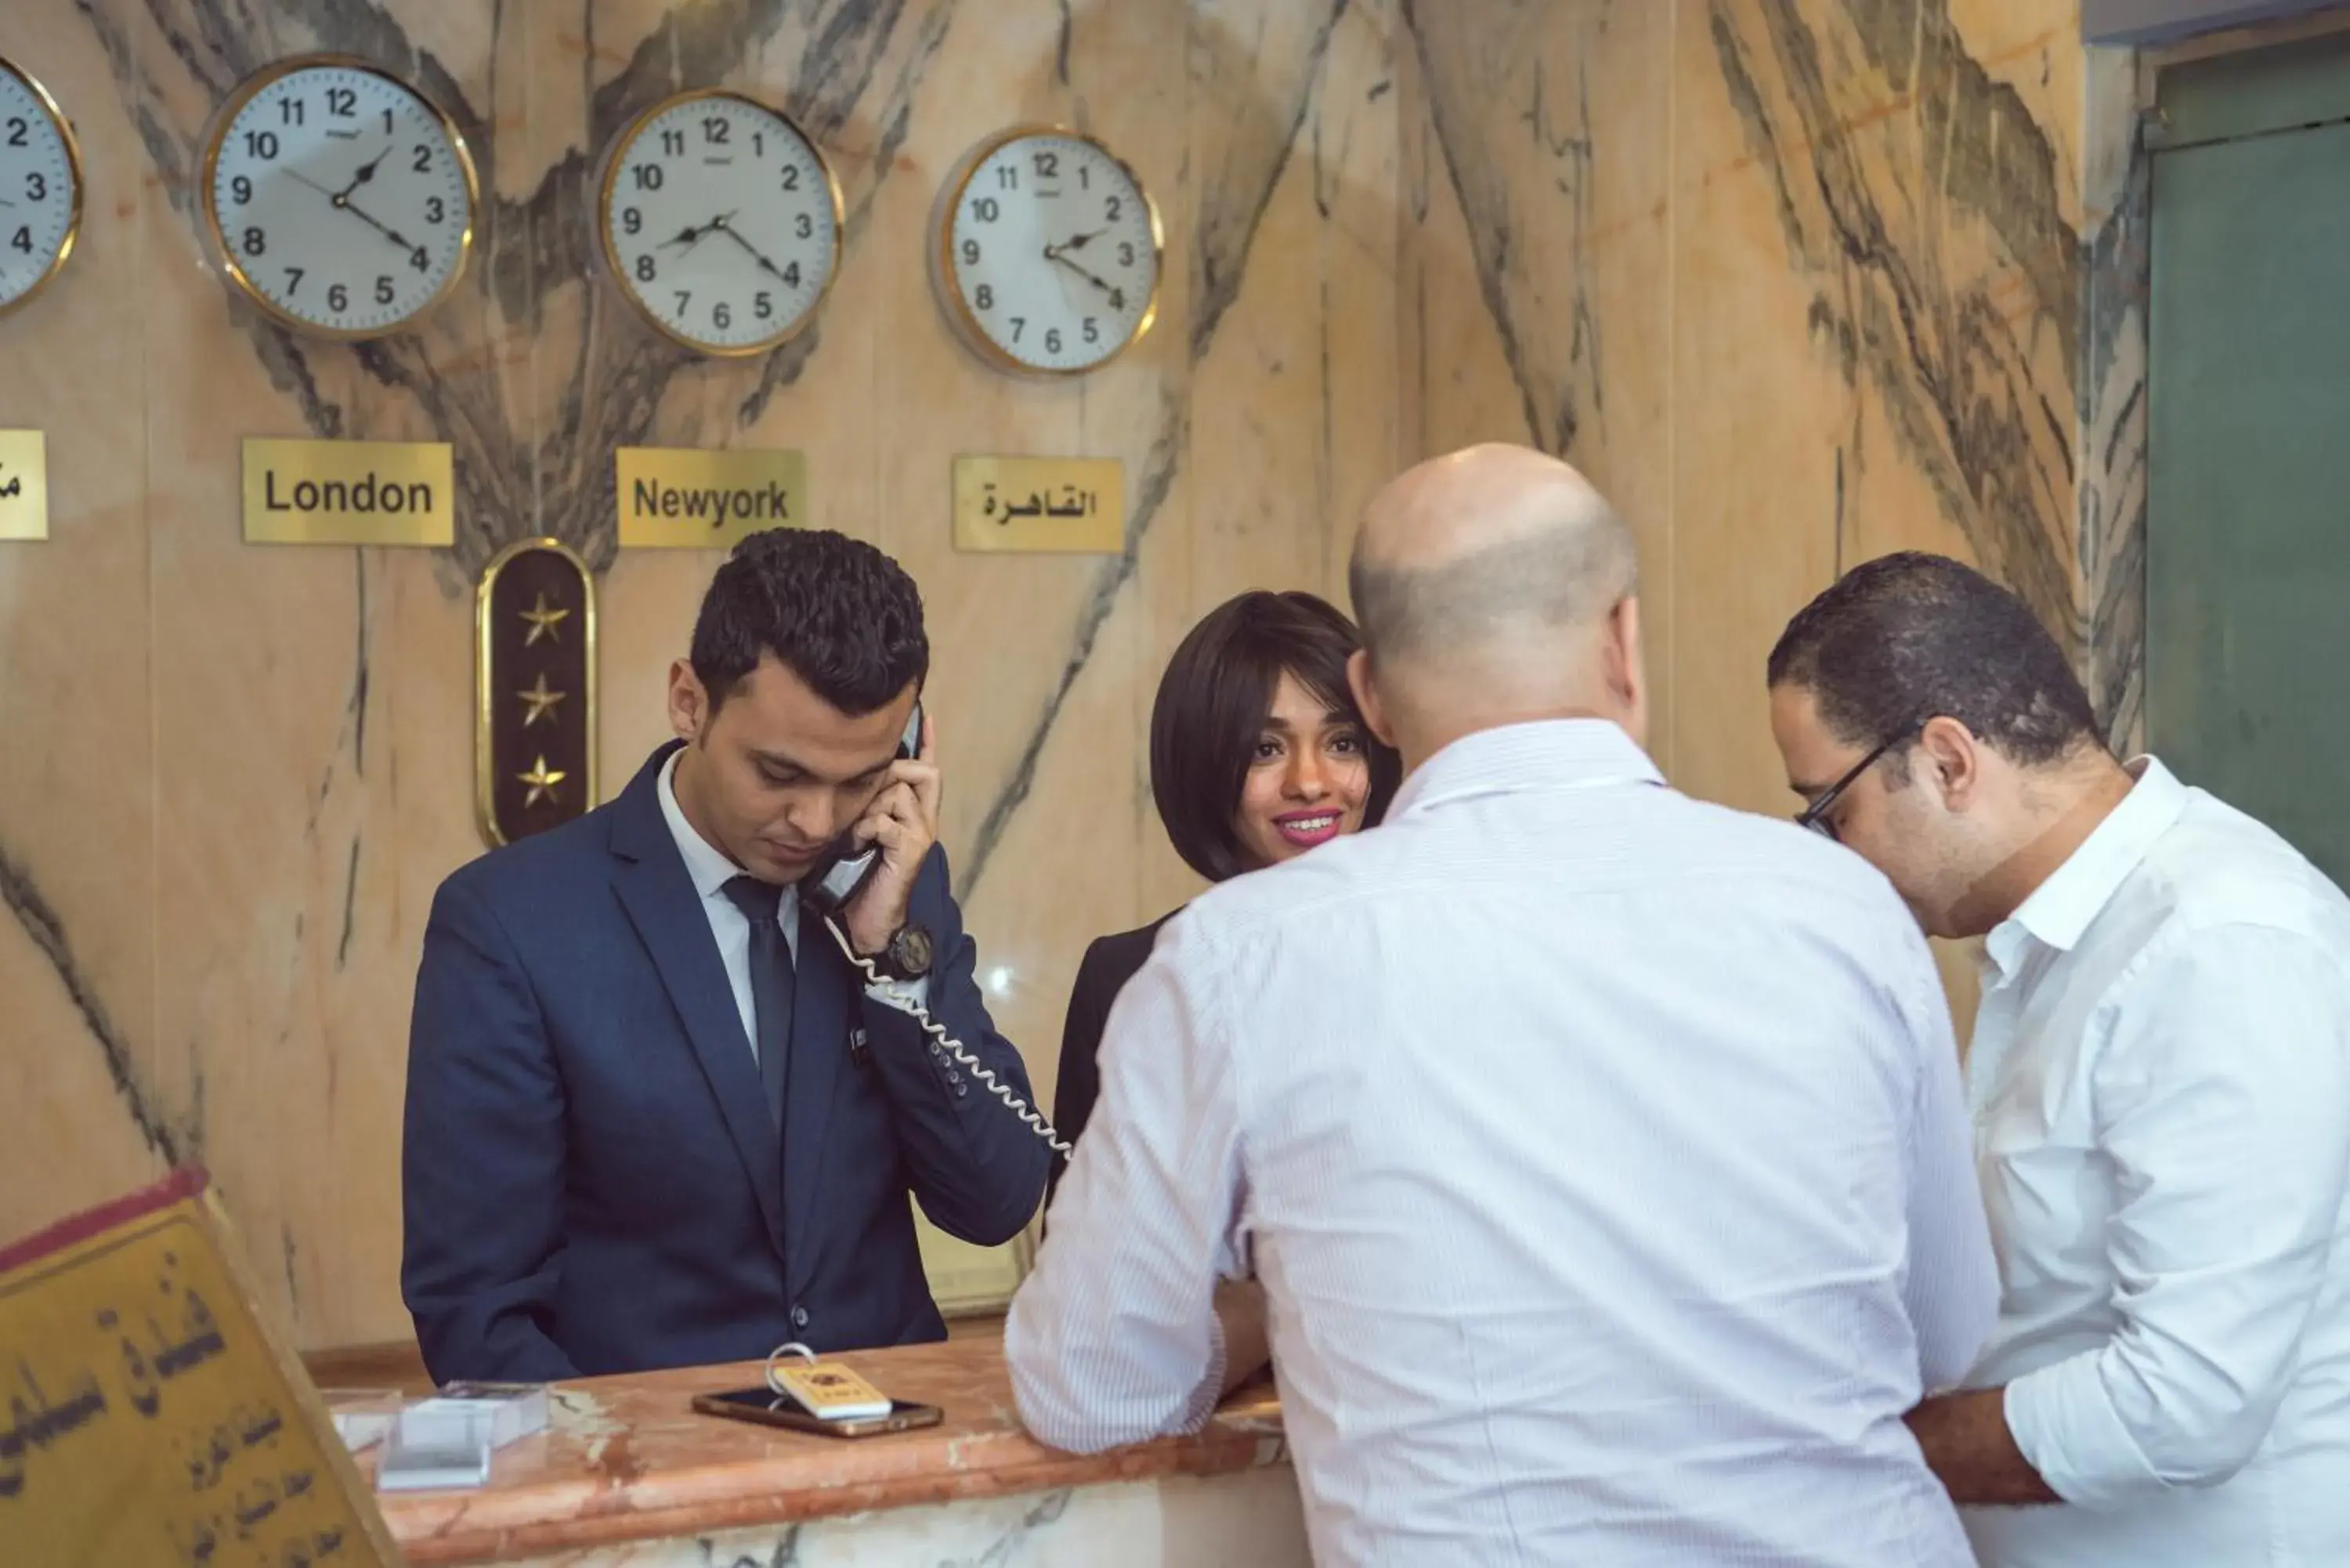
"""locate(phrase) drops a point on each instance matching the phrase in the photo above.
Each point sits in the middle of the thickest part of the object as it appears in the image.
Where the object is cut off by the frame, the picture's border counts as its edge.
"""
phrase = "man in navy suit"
(654, 1117)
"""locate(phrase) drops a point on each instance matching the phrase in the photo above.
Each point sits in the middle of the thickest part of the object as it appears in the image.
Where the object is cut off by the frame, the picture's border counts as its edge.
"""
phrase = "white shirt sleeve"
(1952, 1289)
(2221, 1097)
(1114, 1338)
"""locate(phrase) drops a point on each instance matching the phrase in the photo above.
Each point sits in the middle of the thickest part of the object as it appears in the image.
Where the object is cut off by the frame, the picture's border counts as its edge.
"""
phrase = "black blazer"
(1109, 964)
(592, 1183)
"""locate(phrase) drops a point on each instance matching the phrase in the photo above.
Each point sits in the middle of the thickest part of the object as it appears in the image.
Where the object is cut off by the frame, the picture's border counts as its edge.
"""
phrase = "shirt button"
(799, 1317)
(962, 1089)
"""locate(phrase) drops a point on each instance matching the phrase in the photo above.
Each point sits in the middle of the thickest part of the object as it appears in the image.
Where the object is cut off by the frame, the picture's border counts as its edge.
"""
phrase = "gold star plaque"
(539, 702)
(542, 780)
(543, 621)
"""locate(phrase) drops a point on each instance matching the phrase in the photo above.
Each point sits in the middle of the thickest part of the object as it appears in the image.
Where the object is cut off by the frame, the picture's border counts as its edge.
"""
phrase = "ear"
(1367, 697)
(1953, 760)
(1622, 666)
(689, 705)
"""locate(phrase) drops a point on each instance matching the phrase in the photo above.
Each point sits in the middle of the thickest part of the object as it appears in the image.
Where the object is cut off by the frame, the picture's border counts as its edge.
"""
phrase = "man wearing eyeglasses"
(2160, 1079)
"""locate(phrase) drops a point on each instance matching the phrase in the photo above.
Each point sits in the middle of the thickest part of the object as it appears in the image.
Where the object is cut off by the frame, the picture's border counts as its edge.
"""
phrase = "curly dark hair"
(1910, 637)
(839, 614)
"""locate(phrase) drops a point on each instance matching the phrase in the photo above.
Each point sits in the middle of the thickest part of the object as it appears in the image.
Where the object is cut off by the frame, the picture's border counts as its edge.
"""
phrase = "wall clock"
(40, 187)
(720, 223)
(1046, 250)
(341, 200)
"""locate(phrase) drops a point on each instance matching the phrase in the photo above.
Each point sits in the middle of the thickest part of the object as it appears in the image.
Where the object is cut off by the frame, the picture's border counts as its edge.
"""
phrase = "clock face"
(720, 222)
(342, 200)
(1049, 253)
(40, 187)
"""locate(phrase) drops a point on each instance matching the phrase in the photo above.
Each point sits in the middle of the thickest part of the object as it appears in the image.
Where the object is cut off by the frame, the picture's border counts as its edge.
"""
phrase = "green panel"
(2281, 87)
(2248, 547)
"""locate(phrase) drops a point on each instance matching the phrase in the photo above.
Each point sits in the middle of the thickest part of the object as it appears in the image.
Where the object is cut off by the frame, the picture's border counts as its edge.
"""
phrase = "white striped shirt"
(1601, 1154)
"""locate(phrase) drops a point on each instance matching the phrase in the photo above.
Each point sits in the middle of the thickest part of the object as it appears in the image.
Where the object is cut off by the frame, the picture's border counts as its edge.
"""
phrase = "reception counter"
(629, 1474)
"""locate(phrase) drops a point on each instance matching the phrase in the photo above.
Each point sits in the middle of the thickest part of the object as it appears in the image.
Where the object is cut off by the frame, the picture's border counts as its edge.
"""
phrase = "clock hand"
(1056, 254)
(355, 209)
(366, 173)
(689, 236)
(757, 253)
(1081, 241)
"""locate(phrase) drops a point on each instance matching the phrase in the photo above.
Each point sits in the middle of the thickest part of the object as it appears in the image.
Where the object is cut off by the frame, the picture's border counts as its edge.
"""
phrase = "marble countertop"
(628, 1459)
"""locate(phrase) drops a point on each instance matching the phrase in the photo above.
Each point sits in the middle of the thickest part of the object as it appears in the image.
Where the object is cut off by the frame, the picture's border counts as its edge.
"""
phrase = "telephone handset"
(839, 876)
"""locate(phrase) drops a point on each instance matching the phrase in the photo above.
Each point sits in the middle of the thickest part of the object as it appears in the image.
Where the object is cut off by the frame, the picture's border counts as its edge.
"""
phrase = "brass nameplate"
(23, 485)
(534, 691)
(151, 1417)
(1046, 503)
(350, 492)
(681, 498)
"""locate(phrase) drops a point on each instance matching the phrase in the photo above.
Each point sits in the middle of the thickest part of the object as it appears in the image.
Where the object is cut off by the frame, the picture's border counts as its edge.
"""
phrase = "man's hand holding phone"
(903, 823)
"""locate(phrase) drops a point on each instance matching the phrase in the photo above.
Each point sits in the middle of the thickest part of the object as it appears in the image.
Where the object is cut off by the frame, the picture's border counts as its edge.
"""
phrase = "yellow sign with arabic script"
(23, 485)
(148, 1417)
(1074, 504)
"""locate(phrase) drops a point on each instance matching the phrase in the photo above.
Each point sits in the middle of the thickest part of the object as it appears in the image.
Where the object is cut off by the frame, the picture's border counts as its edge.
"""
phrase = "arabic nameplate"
(1068, 504)
(23, 485)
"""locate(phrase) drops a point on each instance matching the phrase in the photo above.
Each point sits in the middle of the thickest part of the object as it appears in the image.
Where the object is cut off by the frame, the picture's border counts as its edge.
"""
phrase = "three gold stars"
(542, 621)
(541, 703)
(541, 780)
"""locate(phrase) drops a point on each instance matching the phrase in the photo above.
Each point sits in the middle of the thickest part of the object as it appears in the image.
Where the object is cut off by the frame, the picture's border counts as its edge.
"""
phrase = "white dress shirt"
(712, 868)
(1603, 1157)
(2161, 1082)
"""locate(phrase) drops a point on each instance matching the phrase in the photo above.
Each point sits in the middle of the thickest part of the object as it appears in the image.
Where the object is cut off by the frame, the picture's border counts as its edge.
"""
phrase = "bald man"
(1600, 1153)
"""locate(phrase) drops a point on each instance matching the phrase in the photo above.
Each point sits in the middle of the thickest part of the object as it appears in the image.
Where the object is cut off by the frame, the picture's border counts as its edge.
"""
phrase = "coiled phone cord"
(954, 1048)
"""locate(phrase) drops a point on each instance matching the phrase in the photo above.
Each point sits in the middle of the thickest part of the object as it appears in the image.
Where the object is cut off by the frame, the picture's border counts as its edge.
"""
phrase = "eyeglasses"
(1814, 816)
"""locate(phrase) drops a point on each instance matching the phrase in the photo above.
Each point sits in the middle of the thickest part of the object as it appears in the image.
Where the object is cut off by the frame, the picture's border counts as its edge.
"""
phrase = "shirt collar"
(1549, 754)
(2060, 909)
(708, 866)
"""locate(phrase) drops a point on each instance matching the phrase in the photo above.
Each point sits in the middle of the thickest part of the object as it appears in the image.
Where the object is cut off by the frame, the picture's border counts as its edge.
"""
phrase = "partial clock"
(341, 199)
(720, 222)
(40, 187)
(1046, 250)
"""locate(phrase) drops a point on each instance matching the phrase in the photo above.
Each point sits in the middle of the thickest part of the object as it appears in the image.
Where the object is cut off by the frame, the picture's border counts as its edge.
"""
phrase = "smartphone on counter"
(771, 1410)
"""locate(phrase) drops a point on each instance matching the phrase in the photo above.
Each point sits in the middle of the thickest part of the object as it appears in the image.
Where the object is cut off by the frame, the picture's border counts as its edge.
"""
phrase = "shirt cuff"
(1211, 1391)
(905, 995)
(2065, 1425)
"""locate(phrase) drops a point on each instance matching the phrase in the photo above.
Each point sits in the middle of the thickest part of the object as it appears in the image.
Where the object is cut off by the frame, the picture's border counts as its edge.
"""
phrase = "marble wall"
(1799, 281)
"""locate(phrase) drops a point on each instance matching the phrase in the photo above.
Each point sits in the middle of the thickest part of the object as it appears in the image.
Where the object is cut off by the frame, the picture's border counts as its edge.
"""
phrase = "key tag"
(825, 1389)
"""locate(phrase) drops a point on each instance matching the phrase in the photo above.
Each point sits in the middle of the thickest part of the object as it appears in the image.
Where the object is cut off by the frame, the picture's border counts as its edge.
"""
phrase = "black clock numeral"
(23, 239)
(293, 281)
(1117, 299)
(1092, 330)
(672, 142)
(763, 305)
(983, 298)
(342, 102)
(632, 221)
(19, 132)
(720, 317)
(261, 144)
(804, 226)
(386, 122)
(1048, 165)
(1126, 253)
(716, 132)
(971, 253)
(423, 161)
(338, 298)
(1111, 208)
(255, 243)
(792, 276)
(1084, 177)
(1019, 324)
(1052, 340)
(685, 298)
(1007, 177)
(648, 176)
(35, 187)
(436, 209)
(289, 111)
(420, 259)
(985, 208)
(646, 269)
(240, 189)
(758, 144)
(384, 292)
(791, 176)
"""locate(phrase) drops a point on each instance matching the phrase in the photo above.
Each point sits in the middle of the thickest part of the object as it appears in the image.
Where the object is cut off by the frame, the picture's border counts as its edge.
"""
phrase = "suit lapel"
(659, 895)
(821, 1004)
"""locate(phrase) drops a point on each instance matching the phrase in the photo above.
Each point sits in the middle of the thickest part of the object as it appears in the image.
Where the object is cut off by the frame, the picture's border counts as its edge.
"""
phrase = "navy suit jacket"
(592, 1182)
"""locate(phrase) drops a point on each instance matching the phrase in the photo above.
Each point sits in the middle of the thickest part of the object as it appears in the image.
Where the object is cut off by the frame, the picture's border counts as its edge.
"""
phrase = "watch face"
(40, 187)
(911, 952)
(341, 199)
(720, 222)
(1049, 253)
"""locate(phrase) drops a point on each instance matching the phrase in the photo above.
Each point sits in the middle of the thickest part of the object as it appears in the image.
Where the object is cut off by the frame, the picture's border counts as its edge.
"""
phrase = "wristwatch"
(907, 956)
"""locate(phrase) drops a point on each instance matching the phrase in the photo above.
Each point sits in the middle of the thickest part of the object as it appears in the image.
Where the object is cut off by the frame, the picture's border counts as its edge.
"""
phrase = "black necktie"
(771, 984)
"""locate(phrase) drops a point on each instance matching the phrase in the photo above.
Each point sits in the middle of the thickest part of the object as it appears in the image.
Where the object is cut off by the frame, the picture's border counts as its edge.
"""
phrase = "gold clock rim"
(49, 105)
(942, 264)
(486, 771)
(617, 274)
(224, 119)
